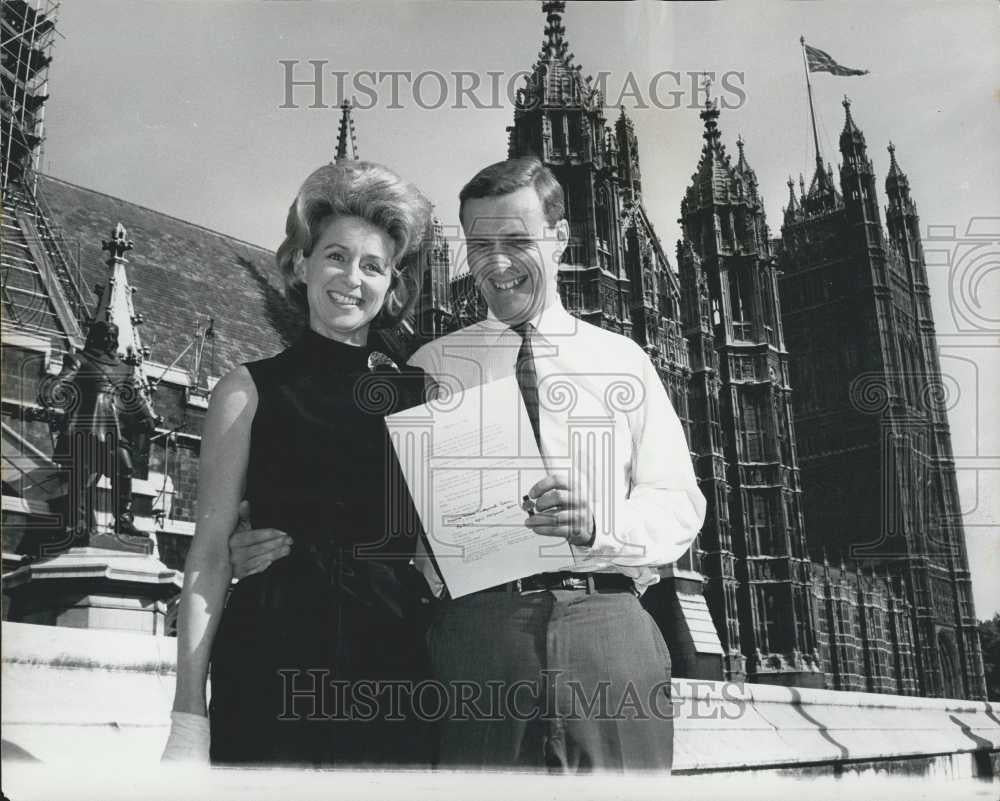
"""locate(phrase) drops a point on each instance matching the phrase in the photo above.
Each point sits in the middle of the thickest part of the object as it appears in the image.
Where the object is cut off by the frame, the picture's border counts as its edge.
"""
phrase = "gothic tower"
(614, 273)
(948, 561)
(433, 314)
(870, 403)
(559, 118)
(753, 542)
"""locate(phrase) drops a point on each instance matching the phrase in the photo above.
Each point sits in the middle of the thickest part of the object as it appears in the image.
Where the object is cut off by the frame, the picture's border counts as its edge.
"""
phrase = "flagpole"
(812, 113)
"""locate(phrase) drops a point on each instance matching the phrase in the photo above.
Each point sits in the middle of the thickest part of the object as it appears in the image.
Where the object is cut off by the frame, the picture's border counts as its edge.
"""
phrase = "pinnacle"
(347, 138)
(849, 125)
(893, 165)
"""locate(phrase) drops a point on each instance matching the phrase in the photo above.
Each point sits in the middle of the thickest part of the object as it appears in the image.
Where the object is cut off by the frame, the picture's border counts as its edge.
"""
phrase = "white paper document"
(469, 459)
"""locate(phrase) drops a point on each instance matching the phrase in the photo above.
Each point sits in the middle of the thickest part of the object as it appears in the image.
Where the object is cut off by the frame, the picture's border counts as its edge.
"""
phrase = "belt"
(565, 580)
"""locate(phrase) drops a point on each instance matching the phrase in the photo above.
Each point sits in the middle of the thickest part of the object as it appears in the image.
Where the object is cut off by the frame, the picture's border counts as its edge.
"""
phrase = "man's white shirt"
(604, 409)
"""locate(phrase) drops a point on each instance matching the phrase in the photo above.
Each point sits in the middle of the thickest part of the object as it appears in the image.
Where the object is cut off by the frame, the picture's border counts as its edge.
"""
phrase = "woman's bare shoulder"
(235, 392)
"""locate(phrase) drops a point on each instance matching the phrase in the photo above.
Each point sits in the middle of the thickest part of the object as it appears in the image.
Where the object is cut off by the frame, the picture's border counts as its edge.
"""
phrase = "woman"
(305, 653)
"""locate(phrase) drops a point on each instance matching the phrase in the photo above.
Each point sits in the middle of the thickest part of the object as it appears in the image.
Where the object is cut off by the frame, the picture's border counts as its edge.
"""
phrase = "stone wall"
(71, 695)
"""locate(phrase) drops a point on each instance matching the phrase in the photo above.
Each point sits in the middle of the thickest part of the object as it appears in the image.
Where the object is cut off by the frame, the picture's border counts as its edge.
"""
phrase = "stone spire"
(120, 310)
(715, 181)
(792, 209)
(741, 165)
(347, 138)
(851, 130)
(555, 79)
(857, 176)
(554, 44)
(115, 302)
(744, 170)
(717, 188)
(896, 181)
(901, 213)
(710, 116)
(628, 156)
(822, 195)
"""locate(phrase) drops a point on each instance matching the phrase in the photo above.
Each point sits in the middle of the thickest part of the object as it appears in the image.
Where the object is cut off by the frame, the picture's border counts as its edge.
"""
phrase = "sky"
(178, 106)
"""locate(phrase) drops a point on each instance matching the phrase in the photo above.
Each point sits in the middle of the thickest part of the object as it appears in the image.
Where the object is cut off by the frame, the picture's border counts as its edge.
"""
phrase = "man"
(563, 669)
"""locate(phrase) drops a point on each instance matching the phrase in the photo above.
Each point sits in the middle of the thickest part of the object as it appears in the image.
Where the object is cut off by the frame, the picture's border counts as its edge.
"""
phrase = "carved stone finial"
(119, 244)
(553, 8)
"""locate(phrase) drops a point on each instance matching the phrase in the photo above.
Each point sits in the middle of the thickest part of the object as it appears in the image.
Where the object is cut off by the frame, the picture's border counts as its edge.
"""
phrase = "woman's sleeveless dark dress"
(308, 653)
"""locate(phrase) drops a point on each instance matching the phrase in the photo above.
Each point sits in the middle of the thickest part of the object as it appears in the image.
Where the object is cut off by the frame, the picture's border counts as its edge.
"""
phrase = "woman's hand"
(189, 739)
(255, 550)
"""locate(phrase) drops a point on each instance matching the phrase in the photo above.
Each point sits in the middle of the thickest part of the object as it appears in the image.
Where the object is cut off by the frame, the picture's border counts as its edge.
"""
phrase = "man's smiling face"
(513, 254)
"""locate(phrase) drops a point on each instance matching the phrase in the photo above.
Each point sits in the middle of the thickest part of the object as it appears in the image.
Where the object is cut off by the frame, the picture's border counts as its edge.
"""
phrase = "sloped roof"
(183, 274)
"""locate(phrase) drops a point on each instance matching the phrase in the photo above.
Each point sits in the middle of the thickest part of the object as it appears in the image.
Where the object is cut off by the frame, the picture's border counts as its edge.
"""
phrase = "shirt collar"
(552, 321)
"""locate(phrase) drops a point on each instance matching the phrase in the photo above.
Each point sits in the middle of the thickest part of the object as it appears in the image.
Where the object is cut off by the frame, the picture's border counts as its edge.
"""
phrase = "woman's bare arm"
(225, 449)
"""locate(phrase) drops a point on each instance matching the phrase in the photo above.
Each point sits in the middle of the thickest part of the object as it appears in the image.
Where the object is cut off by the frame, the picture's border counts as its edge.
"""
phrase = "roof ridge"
(157, 211)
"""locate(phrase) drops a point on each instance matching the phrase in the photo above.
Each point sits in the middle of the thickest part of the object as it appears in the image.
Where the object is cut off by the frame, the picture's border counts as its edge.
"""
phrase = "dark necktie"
(527, 379)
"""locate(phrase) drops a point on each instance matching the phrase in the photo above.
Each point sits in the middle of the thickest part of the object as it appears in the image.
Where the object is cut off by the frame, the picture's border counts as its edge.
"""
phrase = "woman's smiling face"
(347, 275)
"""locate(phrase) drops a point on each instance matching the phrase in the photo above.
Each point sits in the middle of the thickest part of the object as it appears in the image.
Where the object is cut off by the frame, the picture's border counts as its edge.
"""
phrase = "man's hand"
(560, 512)
(254, 550)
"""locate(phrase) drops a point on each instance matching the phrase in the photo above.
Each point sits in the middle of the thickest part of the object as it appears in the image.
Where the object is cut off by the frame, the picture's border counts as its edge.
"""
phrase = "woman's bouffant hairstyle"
(375, 194)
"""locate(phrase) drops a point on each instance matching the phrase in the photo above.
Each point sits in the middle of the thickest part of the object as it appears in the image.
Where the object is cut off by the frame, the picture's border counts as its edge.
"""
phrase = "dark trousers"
(562, 679)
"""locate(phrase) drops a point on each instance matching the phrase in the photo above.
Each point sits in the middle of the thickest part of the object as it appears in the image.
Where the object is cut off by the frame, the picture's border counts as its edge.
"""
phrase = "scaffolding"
(27, 32)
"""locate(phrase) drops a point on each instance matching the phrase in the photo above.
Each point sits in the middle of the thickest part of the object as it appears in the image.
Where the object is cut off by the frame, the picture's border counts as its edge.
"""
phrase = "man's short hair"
(508, 176)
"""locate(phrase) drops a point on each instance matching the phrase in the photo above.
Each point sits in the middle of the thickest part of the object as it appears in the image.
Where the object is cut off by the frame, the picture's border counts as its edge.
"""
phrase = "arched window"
(574, 123)
(558, 133)
(920, 378)
(602, 211)
(950, 683)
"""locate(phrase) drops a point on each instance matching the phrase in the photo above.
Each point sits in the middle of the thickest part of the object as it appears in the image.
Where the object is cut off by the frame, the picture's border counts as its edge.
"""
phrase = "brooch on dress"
(378, 360)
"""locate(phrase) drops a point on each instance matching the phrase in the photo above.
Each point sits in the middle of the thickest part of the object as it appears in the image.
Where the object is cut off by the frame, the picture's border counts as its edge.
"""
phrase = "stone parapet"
(71, 695)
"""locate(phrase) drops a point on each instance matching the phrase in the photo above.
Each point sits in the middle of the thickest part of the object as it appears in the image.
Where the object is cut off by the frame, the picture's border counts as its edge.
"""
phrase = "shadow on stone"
(824, 732)
(14, 753)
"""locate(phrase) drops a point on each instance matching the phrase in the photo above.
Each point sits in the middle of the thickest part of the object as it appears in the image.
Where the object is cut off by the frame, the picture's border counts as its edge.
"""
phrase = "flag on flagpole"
(819, 61)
